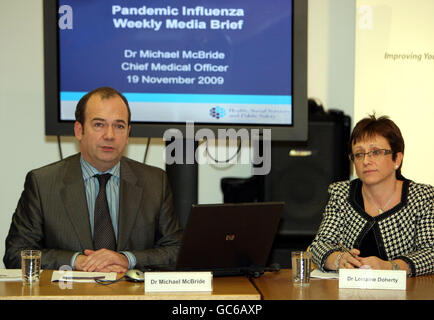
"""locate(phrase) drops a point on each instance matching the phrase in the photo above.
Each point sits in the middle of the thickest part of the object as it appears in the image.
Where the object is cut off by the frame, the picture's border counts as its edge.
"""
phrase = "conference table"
(269, 286)
(224, 288)
(279, 286)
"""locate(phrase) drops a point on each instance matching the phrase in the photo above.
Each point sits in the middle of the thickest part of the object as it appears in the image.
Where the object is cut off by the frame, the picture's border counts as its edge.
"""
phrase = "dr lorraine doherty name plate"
(372, 279)
(178, 281)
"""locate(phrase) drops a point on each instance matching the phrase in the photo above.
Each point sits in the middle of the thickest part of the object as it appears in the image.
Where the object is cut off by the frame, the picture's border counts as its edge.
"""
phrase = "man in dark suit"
(58, 208)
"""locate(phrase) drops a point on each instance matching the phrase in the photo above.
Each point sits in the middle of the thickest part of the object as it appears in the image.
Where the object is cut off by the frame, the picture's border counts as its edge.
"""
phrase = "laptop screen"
(229, 236)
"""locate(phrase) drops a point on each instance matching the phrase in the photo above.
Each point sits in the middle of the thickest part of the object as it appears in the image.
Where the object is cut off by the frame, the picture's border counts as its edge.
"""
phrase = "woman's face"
(375, 167)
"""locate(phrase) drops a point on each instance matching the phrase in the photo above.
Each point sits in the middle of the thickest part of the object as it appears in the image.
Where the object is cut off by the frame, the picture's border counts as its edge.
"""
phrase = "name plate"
(373, 279)
(178, 281)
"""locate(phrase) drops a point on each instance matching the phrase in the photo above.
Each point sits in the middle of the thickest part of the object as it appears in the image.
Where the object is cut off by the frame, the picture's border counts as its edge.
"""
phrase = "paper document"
(324, 275)
(10, 275)
(81, 276)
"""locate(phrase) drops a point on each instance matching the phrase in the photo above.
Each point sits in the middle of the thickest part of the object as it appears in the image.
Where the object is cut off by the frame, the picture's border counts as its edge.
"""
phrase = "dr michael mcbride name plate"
(373, 279)
(178, 281)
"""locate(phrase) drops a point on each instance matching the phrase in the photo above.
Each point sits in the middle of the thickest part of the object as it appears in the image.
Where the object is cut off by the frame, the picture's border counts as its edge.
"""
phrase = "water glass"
(301, 264)
(30, 266)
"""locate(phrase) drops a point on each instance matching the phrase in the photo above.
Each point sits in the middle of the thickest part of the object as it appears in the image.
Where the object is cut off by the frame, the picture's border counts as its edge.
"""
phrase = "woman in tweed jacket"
(385, 220)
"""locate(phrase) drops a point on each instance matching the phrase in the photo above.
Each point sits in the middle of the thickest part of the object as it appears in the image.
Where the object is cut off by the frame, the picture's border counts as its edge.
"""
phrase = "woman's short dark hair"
(372, 126)
(104, 93)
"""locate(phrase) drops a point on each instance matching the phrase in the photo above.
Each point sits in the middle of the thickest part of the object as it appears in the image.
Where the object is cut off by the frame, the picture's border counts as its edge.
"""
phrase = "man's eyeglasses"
(360, 156)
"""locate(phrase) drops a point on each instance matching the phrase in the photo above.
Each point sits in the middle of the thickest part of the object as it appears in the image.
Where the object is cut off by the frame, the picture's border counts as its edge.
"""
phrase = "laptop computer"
(229, 239)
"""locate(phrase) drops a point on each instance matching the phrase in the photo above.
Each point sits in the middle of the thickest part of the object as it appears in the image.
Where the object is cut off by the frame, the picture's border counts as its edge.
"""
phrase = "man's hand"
(102, 260)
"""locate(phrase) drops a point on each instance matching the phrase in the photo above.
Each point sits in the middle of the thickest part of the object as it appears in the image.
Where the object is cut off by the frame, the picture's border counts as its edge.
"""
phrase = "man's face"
(104, 135)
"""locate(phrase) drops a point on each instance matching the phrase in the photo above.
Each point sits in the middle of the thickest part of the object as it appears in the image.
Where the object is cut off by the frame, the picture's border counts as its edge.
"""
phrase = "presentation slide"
(218, 61)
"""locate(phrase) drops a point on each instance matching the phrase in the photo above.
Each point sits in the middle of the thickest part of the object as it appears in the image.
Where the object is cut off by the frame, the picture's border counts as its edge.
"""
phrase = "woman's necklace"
(381, 209)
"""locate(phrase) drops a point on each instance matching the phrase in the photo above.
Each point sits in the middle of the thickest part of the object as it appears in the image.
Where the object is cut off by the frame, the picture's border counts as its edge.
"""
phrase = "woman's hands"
(350, 260)
(340, 259)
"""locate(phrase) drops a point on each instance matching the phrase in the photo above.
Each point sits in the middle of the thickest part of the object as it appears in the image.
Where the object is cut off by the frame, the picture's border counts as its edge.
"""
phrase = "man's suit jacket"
(52, 215)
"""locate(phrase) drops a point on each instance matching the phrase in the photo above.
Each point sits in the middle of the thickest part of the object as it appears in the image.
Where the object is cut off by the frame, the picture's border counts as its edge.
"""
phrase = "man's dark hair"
(104, 93)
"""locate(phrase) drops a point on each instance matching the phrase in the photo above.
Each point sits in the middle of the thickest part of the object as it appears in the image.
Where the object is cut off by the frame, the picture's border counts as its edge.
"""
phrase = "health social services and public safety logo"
(217, 112)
